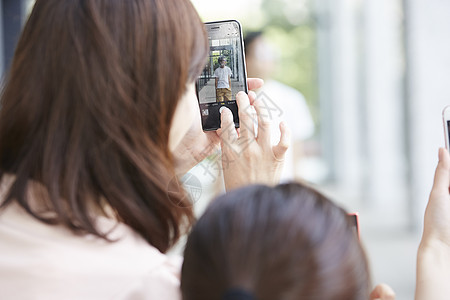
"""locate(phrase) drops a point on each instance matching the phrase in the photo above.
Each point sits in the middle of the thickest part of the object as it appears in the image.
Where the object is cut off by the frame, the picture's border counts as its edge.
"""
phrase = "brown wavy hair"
(86, 111)
(288, 242)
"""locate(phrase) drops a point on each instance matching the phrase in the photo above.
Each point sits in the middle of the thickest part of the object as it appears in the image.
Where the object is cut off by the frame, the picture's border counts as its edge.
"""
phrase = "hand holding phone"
(198, 144)
(433, 256)
(245, 158)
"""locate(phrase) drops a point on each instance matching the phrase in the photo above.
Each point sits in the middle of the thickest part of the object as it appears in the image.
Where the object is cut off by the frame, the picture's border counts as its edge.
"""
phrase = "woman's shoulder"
(160, 283)
(58, 263)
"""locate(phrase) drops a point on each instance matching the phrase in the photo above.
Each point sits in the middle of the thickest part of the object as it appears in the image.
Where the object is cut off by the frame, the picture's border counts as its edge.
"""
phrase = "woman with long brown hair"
(98, 115)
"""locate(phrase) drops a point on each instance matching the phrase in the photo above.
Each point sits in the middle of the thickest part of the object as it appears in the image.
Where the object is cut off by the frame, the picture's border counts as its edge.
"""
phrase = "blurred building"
(382, 68)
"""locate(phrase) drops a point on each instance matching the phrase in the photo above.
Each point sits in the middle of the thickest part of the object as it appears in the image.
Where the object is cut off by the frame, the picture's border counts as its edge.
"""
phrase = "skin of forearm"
(433, 273)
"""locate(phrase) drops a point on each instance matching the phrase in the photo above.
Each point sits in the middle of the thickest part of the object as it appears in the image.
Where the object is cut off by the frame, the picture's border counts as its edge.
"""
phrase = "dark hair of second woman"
(87, 108)
(287, 242)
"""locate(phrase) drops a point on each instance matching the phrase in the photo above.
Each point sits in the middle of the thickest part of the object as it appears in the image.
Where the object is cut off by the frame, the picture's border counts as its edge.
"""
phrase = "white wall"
(383, 83)
(338, 90)
(361, 79)
(429, 88)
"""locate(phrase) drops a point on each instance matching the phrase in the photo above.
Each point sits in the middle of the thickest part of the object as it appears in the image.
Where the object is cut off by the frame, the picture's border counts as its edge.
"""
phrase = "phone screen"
(224, 74)
(354, 221)
(448, 134)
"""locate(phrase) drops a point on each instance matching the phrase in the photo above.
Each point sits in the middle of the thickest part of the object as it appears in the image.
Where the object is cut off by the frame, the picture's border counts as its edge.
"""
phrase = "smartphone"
(224, 74)
(354, 221)
(446, 120)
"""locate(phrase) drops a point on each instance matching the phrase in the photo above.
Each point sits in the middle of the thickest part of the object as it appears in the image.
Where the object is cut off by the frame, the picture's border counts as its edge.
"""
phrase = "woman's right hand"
(436, 231)
(246, 158)
(433, 257)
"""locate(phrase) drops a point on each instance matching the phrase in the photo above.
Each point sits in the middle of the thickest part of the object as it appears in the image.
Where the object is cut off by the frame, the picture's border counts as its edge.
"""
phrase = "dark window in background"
(12, 16)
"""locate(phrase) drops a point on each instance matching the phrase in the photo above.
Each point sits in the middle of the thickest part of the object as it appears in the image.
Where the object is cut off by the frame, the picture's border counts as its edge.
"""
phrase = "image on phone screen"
(448, 132)
(354, 221)
(224, 74)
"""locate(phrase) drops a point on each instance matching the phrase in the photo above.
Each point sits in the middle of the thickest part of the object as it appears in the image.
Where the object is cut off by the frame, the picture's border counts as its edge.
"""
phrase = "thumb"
(227, 130)
(442, 174)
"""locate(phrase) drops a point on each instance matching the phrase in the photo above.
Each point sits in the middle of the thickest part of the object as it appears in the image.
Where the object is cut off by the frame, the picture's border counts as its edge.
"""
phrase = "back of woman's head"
(87, 108)
(287, 242)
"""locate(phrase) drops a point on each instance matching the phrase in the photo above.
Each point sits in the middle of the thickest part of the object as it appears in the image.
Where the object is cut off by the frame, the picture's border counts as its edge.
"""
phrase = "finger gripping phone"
(224, 74)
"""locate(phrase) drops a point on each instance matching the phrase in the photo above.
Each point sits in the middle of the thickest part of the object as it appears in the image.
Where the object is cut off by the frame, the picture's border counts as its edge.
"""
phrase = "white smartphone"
(446, 120)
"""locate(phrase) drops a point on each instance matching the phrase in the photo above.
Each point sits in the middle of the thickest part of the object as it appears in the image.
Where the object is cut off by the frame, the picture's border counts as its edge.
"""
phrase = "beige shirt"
(39, 261)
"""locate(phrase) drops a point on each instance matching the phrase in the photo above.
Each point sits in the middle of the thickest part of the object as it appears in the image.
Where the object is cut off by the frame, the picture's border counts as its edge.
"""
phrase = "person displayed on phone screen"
(223, 81)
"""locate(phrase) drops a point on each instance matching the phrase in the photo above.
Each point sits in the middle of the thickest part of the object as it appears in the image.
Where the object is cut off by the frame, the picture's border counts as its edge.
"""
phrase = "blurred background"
(374, 76)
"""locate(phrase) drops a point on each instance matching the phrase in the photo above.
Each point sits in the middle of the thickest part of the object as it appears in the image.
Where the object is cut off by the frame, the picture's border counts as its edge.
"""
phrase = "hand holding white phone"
(433, 256)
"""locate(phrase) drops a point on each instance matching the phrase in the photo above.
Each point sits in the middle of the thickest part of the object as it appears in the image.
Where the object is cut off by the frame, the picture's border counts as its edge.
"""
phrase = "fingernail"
(224, 110)
(441, 150)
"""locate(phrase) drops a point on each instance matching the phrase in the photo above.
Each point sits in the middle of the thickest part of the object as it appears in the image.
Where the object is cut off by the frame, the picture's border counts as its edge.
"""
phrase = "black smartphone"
(224, 74)
(354, 221)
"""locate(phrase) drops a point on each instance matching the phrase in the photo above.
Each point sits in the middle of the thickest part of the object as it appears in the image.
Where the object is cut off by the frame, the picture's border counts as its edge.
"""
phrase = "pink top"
(39, 261)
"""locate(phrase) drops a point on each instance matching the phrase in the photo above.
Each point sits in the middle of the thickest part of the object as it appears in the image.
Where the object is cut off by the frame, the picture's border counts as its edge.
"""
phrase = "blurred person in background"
(283, 102)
